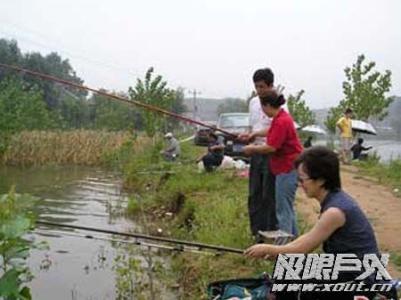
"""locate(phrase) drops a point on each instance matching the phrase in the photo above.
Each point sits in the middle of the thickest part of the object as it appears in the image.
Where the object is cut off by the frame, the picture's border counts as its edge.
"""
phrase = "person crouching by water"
(284, 146)
(215, 152)
(357, 150)
(342, 226)
(172, 150)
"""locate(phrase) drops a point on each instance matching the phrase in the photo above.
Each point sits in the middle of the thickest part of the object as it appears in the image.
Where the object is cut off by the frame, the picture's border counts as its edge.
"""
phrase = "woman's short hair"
(321, 163)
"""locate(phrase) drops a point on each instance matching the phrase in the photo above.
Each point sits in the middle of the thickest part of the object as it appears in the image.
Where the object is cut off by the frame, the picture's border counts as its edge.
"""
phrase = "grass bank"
(81, 147)
(209, 208)
(388, 173)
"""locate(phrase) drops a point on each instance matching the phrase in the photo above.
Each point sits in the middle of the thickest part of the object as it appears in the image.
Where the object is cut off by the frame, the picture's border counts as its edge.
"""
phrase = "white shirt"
(258, 119)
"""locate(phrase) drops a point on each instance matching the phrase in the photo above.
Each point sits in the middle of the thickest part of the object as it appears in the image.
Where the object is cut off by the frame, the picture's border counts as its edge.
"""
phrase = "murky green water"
(76, 267)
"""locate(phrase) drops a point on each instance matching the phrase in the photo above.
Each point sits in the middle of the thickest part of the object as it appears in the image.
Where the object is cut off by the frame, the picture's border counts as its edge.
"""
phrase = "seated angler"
(342, 226)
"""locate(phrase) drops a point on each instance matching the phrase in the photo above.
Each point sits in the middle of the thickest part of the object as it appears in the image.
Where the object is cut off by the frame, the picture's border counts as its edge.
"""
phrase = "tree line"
(27, 102)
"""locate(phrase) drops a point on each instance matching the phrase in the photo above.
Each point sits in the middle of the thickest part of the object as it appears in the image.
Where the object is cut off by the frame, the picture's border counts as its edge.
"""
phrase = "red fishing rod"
(115, 97)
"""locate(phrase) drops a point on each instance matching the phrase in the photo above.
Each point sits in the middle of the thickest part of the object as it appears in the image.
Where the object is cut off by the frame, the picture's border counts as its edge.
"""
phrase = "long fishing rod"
(115, 97)
(123, 241)
(200, 246)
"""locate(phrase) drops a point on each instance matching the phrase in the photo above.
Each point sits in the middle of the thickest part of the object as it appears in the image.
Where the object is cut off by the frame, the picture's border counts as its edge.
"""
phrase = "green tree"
(153, 91)
(364, 92)
(9, 54)
(177, 106)
(74, 112)
(112, 115)
(299, 110)
(52, 64)
(57, 97)
(334, 114)
(22, 107)
(231, 105)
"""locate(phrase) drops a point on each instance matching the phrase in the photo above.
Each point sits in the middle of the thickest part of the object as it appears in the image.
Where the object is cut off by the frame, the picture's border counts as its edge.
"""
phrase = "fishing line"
(114, 97)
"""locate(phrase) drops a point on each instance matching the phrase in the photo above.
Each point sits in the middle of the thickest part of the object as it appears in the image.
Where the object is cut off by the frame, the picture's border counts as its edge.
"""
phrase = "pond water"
(386, 149)
(76, 267)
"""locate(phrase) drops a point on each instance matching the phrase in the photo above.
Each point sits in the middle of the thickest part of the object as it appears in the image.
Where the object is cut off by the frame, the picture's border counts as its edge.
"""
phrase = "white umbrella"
(314, 129)
(363, 127)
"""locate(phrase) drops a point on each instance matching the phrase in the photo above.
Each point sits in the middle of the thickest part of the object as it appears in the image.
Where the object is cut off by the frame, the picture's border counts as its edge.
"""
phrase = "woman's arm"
(330, 221)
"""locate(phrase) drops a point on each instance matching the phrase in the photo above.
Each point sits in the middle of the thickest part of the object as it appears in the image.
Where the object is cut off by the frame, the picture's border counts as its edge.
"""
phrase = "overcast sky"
(212, 46)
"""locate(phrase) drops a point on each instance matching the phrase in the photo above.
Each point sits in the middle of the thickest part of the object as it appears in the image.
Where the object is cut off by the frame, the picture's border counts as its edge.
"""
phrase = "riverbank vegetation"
(209, 208)
(388, 173)
(29, 103)
(79, 147)
(16, 220)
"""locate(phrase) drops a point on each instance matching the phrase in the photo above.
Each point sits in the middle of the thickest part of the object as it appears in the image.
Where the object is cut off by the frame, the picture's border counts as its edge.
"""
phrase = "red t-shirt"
(282, 136)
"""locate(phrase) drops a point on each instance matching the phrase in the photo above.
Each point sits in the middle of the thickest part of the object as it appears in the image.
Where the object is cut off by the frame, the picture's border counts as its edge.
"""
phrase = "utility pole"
(195, 105)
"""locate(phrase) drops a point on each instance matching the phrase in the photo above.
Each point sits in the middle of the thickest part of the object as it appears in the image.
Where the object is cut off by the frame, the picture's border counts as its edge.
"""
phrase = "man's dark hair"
(360, 141)
(272, 98)
(265, 75)
(348, 111)
(321, 163)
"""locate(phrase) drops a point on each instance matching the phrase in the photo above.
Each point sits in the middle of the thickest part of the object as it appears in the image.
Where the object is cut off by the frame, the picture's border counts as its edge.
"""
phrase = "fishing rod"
(128, 242)
(181, 243)
(115, 97)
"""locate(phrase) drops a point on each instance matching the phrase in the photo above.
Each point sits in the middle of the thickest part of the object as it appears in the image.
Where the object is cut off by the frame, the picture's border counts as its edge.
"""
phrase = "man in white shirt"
(261, 203)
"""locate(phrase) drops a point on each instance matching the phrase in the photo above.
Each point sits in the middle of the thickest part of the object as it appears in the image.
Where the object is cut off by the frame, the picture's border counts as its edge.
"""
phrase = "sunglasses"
(303, 179)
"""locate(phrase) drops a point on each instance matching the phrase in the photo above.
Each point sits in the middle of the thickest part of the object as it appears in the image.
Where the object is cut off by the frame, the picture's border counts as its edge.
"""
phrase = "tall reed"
(81, 147)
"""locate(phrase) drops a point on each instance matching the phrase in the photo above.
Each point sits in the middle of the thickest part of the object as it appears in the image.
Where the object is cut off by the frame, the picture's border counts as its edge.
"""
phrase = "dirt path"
(382, 207)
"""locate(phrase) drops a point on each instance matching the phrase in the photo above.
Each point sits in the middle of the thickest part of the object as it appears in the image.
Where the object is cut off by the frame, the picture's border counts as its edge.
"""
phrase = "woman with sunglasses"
(342, 226)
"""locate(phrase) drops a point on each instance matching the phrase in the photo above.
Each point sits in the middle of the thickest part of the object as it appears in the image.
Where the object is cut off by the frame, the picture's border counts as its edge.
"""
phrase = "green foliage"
(73, 112)
(15, 222)
(389, 173)
(112, 115)
(364, 91)
(299, 110)
(334, 114)
(206, 207)
(231, 105)
(133, 206)
(395, 258)
(67, 105)
(9, 54)
(153, 91)
(138, 278)
(52, 64)
(22, 107)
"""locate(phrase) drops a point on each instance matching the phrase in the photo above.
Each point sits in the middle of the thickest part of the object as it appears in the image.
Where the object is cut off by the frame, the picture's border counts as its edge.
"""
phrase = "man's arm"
(339, 124)
(330, 221)
(258, 149)
(366, 148)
